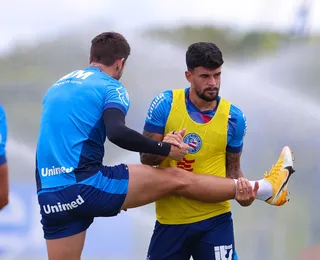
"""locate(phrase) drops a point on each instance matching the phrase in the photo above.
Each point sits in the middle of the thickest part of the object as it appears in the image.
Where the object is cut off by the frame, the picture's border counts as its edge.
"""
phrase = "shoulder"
(111, 85)
(160, 106)
(238, 118)
(236, 113)
(102, 79)
(163, 97)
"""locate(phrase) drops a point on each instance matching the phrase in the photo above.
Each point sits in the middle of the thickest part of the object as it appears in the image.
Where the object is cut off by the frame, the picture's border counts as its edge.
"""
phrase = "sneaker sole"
(284, 186)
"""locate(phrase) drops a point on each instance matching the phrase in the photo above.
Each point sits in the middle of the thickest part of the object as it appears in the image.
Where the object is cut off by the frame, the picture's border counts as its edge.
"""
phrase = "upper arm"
(3, 136)
(238, 127)
(114, 121)
(116, 96)
(158, 113)
(155, 123)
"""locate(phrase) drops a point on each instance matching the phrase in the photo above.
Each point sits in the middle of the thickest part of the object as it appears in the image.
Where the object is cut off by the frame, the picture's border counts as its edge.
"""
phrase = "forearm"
(234, 173)
(129, 139)
(151, 159)
(233, 165)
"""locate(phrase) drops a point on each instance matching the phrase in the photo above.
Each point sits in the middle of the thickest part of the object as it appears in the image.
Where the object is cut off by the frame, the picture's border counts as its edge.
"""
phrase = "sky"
(34, 19)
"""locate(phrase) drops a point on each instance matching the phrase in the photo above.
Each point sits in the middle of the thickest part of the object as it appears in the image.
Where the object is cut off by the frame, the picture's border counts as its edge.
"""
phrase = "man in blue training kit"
(79, 111)
(215, 132)
(4, 178)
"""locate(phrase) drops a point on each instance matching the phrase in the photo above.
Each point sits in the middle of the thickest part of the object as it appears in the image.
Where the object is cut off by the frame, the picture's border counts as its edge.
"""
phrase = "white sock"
(264, 191)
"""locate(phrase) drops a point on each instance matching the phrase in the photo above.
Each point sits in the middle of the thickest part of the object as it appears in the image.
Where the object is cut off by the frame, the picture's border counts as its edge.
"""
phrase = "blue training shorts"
(210, 239)
(69, 210)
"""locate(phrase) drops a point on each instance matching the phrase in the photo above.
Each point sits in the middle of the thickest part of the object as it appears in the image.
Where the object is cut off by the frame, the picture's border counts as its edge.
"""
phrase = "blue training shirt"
(72, 131)
(160, 108)
(3, 136)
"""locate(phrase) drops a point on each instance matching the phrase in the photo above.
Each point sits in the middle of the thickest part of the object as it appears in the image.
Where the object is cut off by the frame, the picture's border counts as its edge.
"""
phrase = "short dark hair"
(204, 54)
(108, 47)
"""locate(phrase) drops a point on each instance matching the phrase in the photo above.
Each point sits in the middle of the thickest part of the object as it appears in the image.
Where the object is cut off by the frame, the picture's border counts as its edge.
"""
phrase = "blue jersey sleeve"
(116, 96)
(3, 136)
(240, 127)
(158, 113)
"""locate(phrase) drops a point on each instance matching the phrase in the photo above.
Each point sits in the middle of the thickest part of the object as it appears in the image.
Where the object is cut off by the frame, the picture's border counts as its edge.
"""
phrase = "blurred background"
(271, 50)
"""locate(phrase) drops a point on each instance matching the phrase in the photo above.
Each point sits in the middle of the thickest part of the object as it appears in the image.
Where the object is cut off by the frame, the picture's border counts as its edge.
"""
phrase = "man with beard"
(214, 130)
(79, 112)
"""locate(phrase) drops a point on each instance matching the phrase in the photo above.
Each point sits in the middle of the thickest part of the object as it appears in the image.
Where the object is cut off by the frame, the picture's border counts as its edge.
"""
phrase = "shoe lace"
(272, 173)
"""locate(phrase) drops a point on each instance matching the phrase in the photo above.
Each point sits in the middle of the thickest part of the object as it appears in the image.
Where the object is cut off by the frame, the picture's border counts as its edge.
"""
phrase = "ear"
(120, 63)
(188, 75)
(123, 62)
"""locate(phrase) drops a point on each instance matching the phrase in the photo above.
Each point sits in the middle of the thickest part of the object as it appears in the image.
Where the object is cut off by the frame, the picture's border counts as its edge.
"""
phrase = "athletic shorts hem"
(71, 233)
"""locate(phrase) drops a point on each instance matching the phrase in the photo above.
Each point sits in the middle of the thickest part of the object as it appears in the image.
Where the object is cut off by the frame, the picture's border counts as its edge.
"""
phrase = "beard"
(208, 95)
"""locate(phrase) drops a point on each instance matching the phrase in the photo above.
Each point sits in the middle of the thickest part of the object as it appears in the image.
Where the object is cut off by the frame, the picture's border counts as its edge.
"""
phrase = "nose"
(212, 82)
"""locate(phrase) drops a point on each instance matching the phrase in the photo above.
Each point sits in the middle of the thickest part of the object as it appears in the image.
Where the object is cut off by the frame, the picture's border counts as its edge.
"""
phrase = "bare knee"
(179, 178)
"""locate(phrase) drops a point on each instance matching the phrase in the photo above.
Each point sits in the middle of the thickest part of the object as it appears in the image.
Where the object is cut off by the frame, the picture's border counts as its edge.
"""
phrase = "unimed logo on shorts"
(223, 252)
(55, 171)
(48, 209)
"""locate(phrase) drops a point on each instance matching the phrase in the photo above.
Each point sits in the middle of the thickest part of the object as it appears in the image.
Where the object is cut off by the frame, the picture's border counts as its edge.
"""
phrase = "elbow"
(114, 138)
(143, 158)
(150, 159)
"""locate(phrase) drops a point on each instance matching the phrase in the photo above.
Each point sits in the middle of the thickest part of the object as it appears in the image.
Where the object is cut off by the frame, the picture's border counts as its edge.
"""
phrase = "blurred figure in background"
(4, 178)
(215, 133)
(301, 19)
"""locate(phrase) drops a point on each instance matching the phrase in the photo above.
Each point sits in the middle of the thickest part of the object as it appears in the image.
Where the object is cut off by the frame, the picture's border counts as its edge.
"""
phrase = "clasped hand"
(179, 149)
